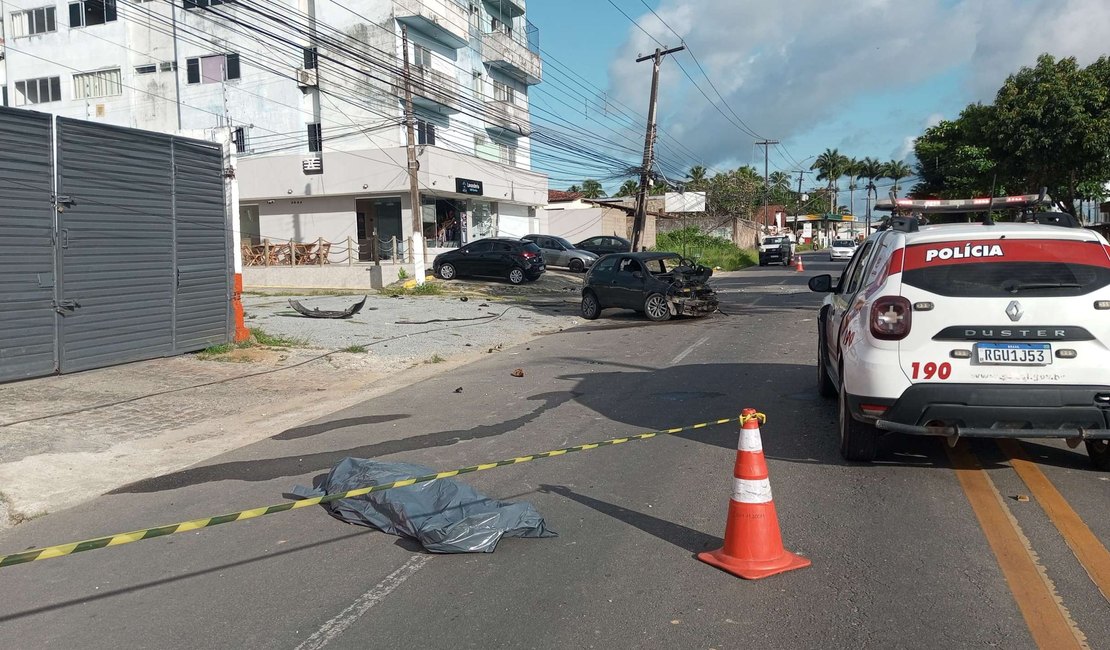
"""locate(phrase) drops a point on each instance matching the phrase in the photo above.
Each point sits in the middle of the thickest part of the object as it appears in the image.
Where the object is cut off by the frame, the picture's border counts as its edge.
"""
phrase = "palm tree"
(697, 174)
(896, 170)
(628, 188)
(853, 170)
(830, 167)
(592, 189)
(871, 169)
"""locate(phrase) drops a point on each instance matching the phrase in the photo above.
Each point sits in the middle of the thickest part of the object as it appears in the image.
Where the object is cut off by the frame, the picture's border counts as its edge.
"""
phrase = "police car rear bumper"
(992, 411)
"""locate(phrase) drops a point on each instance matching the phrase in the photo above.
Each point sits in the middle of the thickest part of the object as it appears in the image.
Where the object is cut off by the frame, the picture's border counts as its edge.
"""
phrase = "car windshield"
(843, 243)
(563, 242)
(771, 240)
(531, 247)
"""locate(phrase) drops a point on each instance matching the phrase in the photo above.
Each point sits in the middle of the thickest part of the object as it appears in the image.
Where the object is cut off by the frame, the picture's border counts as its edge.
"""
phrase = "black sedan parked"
(659, 285)
(502, 257)
(605, 245)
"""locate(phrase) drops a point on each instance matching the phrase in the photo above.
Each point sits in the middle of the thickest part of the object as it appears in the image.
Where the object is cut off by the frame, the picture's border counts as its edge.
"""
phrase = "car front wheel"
(516, 276)
(447, 271)
(576, 266)
(1099, 451)
(591, 308)
(656, 307)
(858, 441)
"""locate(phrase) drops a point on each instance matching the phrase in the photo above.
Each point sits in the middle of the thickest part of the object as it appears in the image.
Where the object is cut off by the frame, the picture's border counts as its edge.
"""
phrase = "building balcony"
(510, 117)
(433, 89)
(512, 57)
(444, 20)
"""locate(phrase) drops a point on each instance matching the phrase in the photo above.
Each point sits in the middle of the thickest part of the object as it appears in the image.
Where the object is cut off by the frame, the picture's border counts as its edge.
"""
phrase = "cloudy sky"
(864, 76)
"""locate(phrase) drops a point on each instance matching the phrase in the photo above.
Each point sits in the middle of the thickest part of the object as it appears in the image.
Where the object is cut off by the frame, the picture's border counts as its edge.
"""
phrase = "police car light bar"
(935, 206)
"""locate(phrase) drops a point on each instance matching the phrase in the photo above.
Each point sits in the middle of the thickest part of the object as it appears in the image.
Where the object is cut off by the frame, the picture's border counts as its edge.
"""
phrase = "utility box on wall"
(129, 260)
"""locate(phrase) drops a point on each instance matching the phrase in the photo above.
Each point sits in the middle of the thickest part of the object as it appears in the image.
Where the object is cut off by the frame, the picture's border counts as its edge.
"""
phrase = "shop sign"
(467, 186)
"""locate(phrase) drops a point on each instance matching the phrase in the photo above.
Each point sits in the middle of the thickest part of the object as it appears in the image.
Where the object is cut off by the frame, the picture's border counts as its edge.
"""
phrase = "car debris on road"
(316, 312)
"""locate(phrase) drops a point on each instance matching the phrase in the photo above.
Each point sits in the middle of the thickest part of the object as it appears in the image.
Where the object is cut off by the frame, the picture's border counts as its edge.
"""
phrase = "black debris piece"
(318, 313)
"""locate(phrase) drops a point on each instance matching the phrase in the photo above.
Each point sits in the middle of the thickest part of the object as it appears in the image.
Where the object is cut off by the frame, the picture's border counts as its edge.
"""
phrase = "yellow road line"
(1083, 543)
(1045, 616)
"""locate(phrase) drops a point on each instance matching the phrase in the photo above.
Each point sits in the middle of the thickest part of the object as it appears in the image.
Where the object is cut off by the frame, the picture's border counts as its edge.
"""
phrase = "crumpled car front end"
(689, 293)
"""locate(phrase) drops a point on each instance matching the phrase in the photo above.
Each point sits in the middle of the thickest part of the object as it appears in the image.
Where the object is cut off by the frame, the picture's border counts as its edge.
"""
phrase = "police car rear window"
(1001, 268)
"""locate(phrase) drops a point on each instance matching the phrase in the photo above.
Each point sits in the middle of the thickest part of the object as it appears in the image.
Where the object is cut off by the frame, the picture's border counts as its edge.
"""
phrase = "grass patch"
(354, 349)
(260, 337)
(706, 249)
(435, 359)
(426, 289)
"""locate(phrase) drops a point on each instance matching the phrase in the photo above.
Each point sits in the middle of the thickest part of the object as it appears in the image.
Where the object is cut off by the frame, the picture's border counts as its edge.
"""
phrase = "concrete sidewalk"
(67, 439)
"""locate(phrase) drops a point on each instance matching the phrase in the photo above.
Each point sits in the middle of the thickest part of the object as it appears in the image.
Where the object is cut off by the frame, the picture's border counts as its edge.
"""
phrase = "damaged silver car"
(658, 285)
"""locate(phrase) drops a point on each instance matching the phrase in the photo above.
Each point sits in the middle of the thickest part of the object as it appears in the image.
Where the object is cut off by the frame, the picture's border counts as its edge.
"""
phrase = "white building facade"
(310, 92)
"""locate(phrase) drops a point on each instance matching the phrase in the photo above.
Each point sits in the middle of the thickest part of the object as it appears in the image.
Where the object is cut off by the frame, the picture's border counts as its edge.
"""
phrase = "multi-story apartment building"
(310, 92)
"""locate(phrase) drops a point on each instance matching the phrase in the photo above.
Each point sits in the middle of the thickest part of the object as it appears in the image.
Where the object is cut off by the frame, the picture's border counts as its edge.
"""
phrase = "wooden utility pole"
(766, 177)
(649, 145)
(417, 245)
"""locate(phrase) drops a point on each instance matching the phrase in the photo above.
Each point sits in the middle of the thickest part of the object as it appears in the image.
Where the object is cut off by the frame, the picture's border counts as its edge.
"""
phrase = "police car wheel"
(858, 441)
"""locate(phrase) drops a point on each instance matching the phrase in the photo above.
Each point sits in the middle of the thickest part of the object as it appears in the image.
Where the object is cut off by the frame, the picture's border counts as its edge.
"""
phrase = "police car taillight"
(890, 318)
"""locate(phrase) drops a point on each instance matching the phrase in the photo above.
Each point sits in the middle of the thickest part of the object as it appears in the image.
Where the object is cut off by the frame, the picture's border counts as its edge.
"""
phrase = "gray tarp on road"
(445, 516)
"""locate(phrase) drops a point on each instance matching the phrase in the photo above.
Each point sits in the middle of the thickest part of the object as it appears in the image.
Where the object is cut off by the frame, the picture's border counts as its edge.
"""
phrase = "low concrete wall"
(358, 276)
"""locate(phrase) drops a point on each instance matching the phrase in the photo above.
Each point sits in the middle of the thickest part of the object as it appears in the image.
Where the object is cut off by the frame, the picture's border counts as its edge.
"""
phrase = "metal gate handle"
(65, 237)
(63, 306)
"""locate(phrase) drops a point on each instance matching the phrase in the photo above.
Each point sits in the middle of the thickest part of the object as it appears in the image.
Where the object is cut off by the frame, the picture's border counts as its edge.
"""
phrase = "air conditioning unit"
(306, 78)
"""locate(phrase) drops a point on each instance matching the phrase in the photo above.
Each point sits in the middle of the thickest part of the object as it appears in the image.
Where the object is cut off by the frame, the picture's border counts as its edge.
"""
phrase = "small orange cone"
(753, 543)
(798, 264)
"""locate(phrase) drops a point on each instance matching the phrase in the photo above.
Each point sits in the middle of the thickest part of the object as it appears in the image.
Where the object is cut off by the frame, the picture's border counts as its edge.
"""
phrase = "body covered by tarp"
(445, 516)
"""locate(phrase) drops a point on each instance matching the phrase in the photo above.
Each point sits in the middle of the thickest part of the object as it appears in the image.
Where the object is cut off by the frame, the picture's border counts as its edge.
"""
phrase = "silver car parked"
(560, 252)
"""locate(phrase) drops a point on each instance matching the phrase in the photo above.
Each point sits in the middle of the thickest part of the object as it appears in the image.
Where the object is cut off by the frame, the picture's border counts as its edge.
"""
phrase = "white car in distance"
(842, 249)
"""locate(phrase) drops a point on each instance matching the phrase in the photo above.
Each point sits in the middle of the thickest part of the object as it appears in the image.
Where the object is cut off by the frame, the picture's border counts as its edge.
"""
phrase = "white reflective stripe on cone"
(750, 440)
(751, 491)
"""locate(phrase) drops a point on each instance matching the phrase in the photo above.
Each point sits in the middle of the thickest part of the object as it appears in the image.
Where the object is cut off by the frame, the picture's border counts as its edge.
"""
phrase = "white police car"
(976, 329)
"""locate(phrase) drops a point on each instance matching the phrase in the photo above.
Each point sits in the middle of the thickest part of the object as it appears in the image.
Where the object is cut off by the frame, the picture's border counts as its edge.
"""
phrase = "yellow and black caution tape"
(48, 552)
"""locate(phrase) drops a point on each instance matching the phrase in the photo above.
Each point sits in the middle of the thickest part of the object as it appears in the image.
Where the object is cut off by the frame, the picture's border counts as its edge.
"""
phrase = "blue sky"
(855, 77)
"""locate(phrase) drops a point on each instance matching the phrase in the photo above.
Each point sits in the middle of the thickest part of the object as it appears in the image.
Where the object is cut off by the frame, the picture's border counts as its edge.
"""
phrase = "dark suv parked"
(513, 259)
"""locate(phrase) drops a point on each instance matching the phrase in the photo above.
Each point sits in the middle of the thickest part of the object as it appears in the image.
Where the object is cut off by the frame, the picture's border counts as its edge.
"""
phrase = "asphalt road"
(906, 551)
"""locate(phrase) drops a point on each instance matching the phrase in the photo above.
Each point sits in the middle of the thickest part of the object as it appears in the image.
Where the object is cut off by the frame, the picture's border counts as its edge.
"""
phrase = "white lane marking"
(336, 626)
(685, 353)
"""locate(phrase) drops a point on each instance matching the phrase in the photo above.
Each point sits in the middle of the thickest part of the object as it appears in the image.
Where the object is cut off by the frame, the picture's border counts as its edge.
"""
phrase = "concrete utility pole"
(766, 176)
(649, 145)
(417, 245)
(801, 174)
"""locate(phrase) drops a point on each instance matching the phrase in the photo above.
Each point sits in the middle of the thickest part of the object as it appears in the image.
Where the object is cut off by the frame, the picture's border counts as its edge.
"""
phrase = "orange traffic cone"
(753, 543)
(798, 264)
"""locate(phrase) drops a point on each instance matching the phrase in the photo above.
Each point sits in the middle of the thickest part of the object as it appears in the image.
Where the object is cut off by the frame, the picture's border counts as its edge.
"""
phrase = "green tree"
(592, 189)
(574, 188)
(896, 170)
(734, 193)
(1050, 127)
(954, 159)
(697, 175)
(628, 188)
(830, 166)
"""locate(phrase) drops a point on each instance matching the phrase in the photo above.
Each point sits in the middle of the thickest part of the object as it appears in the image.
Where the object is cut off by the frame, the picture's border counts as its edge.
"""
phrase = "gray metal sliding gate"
(116, 253)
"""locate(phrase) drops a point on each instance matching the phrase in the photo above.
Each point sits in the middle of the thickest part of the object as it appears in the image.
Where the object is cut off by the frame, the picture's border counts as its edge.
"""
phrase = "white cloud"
(784, 67)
